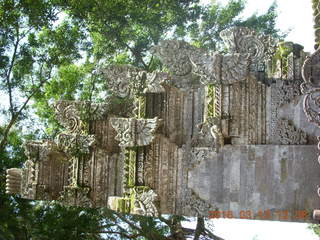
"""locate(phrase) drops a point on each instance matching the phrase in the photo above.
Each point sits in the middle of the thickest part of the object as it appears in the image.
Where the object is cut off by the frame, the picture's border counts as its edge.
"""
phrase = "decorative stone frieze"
(145, 203)
(257, 47)
(124, 80)
(135, 132)
(311, 87)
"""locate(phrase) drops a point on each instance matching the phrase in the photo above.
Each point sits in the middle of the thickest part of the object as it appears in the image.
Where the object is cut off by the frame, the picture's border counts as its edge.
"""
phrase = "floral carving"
(75, 144)
(257, 47)
(288, 134)
(175, 55)
(145, 203)
(311, 87)
(156, 81)
(288, 90)
(124, 80)
(135, 132)
(194, 205)
(234, 68)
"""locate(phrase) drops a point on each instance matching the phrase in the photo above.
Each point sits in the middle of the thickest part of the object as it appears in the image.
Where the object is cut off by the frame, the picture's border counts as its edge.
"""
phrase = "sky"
(296, 16)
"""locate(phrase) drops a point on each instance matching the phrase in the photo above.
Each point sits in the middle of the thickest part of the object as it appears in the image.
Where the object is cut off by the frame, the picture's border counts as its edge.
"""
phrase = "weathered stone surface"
(216, 133)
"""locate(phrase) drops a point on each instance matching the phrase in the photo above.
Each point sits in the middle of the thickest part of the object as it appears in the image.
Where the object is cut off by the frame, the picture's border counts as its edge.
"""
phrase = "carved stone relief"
(145, 203)
(288, 134)
(13, 181)
(258, 47)
(124, 80)
(135, 132)
(194, 205)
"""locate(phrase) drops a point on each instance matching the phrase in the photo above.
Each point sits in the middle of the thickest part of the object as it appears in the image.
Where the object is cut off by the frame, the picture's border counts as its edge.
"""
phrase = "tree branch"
(8, 73)
(15, 116)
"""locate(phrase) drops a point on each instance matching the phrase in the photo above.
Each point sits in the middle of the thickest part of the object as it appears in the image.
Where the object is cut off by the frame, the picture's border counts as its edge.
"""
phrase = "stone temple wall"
(215, 134)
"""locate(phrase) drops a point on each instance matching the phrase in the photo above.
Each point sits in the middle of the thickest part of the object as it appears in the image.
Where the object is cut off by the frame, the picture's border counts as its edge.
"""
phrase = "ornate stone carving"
(135, 132)
(209, 135)
(207, 66)
(195, 205)
(257, 47)
(175, 55)
(75, 144)
(156, 81)
(73, 114)
(145, 203)
(75, 196)
(288, 134)
(311, 87)
(316, 15)
(124, 80)
(288, 91)
(182, 59)
(234, 68)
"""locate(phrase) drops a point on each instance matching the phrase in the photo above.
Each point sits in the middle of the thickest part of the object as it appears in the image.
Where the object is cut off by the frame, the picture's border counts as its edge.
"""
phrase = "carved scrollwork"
(124, 80)
(135, 132)
(311, 87)
(156, 81)
(288, 134)
(145, 203)
(68, 116)
(73, 114)
(75, 144)
(257, 47)
(175, 55)
(234, 68)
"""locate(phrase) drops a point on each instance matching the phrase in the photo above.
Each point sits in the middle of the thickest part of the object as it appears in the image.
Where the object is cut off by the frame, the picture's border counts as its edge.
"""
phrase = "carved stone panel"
(135, 132)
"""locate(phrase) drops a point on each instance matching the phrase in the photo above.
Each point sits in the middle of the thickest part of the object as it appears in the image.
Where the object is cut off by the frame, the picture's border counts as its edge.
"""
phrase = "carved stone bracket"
(288, 134)
(194, 66)
(74, 114)
(135, 132)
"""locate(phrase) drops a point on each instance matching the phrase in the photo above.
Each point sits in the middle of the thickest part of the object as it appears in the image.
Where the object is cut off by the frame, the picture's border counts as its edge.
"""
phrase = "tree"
(49, 50)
